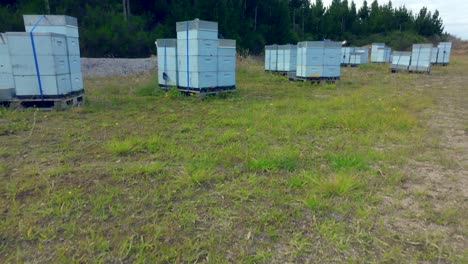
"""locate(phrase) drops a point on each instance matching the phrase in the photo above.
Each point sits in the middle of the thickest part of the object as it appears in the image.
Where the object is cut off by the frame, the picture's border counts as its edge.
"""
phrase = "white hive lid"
(166, 43)
(196, 24)
(50, 20)
(227, 43)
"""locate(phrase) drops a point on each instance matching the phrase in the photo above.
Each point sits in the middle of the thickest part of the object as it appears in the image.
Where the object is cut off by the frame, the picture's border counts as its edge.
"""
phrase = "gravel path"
(116, 66)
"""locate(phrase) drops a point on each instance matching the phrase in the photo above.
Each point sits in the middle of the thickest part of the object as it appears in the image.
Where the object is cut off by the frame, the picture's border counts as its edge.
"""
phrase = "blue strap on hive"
(35, 56)
(165, 77)
(188, 73)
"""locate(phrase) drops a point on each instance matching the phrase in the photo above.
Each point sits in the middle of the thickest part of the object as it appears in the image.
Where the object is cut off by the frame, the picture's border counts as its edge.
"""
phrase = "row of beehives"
(421, 57)
(45, 63)
(308, 59)
(197, 60)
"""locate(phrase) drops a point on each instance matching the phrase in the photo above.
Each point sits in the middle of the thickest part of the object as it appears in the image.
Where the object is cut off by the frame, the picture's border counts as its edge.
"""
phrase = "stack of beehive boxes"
(346, 55)
(359, 56)
(281, 59)
(443, 55)
(52, 69)
(197, 61)
(7, 84)
(380, 53)
(318, 59)
(421, 58)
(197, 54)
(271, 57)
(290, 54)
(227, 63)
(400, 60)
(167, 62)
(68, 27)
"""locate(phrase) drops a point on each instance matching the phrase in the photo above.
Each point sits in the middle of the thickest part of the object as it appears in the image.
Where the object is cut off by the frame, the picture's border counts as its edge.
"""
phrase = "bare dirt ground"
(435, 189)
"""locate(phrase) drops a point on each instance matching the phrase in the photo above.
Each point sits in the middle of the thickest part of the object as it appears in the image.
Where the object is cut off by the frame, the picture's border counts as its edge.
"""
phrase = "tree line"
(128, 28)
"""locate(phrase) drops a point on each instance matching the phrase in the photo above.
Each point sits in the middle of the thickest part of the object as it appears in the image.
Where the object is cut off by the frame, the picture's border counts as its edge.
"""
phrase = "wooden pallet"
(210, 90)
(59, 103)
(202, 92)
(316, 80)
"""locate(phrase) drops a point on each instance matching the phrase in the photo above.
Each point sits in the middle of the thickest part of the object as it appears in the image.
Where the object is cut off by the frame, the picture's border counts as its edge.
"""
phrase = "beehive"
(290, 57)
(197, 54)
(380, 53)
(400, 60)
(7, 83)
(167, 62)
(359, 56)
(421, 58)
(271, 57)
(318, 59)
(67, 26)
(226, 63)
(52, 62)
(443, 56)
(346, 55)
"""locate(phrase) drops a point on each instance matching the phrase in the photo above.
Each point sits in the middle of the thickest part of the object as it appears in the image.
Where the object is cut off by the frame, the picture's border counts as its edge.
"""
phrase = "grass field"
(277, 172)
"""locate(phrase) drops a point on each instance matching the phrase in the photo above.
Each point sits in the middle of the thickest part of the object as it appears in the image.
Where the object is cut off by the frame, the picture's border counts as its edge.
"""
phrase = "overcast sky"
(454, 13)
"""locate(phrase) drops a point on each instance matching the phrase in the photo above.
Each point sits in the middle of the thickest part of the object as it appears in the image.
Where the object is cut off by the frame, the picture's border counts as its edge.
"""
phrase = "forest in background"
(128, 28)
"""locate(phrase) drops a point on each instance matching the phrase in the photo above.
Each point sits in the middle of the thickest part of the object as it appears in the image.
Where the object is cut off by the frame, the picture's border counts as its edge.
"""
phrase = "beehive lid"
(34, 34)
(422, 46)
(227, 43)
(50, 20)
(378, 44)
(166, 43)
(196, 24)
(401, 53)
(357, 52)
(445, 44)
(271, 47)
(319, 44)
(289, 47)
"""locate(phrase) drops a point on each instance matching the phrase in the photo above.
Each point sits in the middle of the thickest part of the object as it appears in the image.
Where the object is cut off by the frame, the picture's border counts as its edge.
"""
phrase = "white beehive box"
(64, 25)
(7, 83)
(290, 54)
(421, 58)
(380, 53)
(52, 85)
(47, 44)
(359, 56)
(271, 57)
(346, 55)
(167, 62)
(226, 63)
(443, 57)
(197, 54)
(401, 60)
(197, 29)
(52, 60)
(318, 59)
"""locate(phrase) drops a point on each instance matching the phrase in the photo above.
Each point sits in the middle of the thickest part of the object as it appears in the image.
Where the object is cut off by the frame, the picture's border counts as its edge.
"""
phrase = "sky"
(454, 13)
